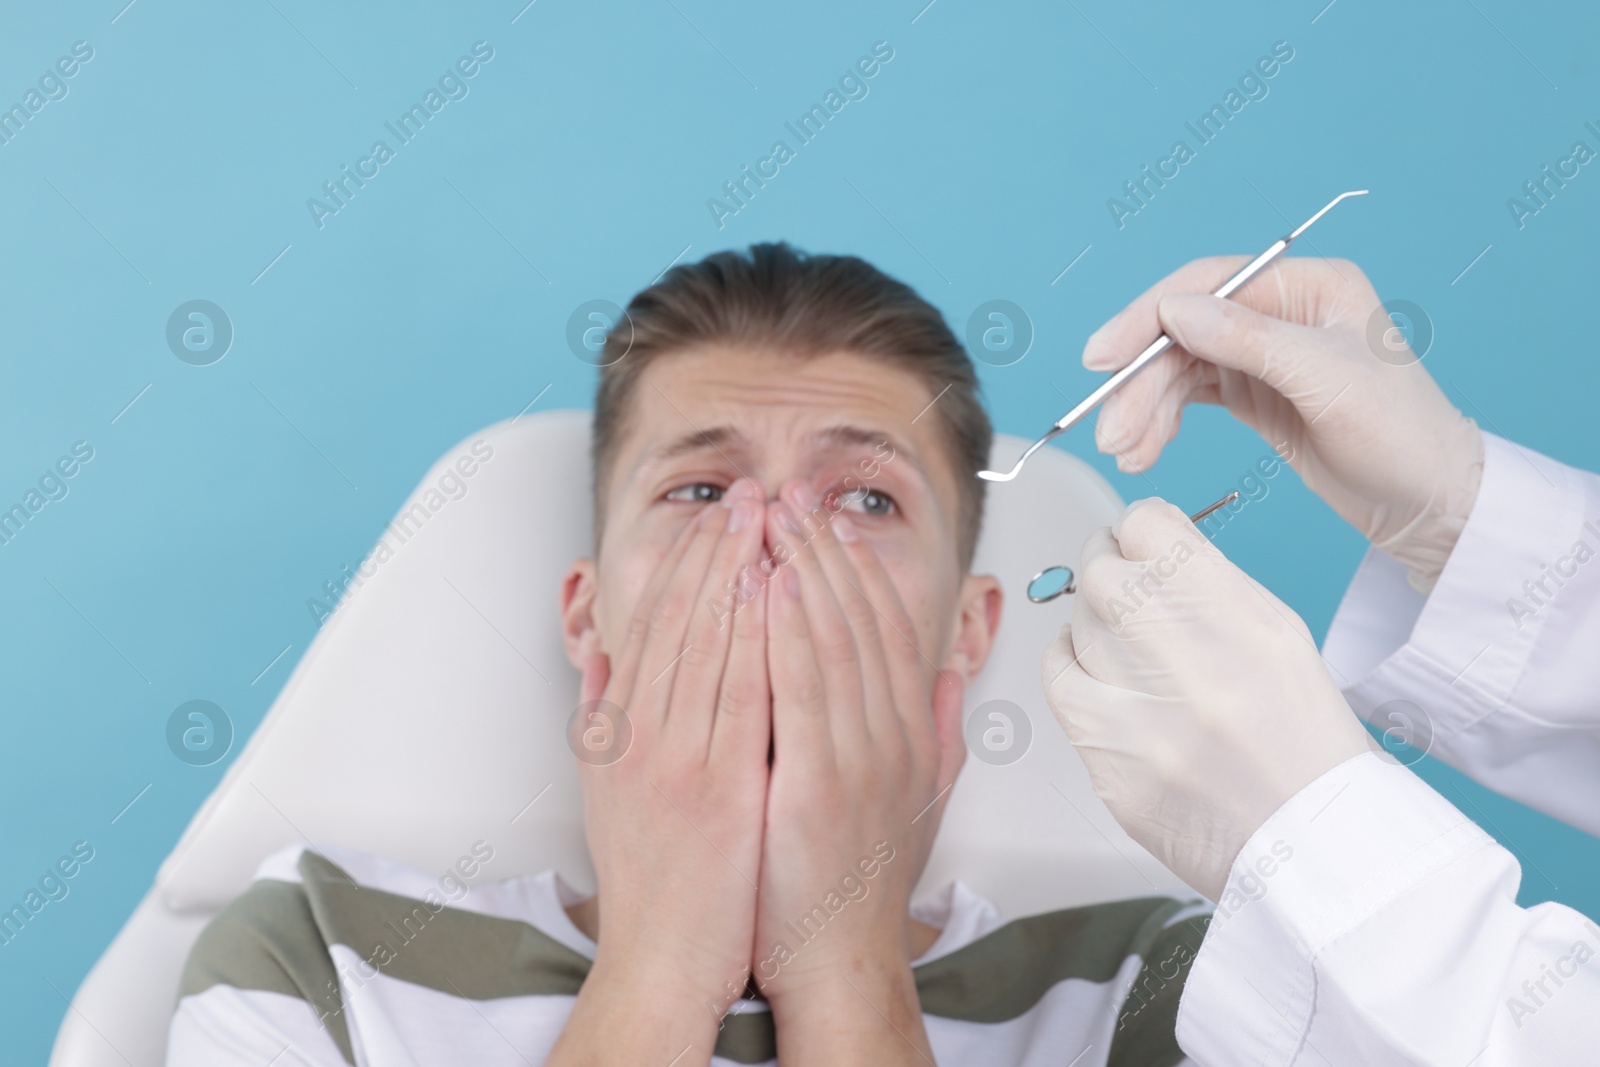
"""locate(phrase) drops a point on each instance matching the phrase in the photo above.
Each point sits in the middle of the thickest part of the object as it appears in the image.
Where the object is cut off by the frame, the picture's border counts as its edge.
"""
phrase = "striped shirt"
(340, 958)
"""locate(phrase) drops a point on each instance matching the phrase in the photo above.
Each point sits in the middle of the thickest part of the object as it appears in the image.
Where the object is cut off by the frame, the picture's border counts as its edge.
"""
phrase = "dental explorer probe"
(1160, 344)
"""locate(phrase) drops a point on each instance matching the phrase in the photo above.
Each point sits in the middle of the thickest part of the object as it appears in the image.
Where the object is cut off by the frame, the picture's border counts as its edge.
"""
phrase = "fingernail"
(805, 497)
(1097, 354)
(743, 512)
(786, 519)
(844, 529)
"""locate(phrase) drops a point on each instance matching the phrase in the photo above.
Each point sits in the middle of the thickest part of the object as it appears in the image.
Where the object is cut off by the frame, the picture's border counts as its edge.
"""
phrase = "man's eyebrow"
(699, 440)
(718, 438)
(869, 438)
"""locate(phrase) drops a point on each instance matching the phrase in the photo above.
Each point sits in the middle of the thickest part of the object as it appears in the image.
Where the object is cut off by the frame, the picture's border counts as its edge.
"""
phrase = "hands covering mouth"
(716, 865)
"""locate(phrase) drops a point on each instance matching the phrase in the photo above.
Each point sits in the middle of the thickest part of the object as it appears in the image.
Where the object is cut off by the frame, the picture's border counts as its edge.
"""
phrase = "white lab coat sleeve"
(1370, 922)
(1497, 671)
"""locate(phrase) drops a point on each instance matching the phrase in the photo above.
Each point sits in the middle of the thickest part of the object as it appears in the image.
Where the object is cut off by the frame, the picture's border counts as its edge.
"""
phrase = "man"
(778, 623)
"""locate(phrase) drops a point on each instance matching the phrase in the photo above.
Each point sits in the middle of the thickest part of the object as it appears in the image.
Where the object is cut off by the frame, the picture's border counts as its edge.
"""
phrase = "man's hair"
(776, 299)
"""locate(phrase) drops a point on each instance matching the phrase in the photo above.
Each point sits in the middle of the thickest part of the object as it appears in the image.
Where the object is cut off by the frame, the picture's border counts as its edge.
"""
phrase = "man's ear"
(580, 631)
(976, 625)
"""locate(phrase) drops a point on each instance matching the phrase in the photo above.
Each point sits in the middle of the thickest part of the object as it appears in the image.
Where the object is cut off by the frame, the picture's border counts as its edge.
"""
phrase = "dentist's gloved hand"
(1305, 354)
(1196, 698)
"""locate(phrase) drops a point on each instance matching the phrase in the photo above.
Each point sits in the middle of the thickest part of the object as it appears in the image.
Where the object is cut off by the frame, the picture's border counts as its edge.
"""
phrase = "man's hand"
(674, 824)
(866, 739)
(1308, 356)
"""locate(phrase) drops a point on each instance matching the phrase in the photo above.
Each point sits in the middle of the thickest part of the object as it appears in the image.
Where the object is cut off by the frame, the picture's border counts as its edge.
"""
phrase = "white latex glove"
(1295, 354)
(1196, 698)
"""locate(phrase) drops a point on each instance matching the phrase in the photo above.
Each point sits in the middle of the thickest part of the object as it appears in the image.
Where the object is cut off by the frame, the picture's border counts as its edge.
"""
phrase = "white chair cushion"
(430, 711)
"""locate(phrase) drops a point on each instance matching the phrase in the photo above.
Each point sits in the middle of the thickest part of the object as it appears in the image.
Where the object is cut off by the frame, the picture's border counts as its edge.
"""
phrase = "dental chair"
(430, 711)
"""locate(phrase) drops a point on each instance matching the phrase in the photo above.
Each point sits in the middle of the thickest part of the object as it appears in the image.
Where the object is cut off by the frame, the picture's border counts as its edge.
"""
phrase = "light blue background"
(179, 166)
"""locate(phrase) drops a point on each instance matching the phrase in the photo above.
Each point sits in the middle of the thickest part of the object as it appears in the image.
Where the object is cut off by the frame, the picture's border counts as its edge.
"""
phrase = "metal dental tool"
(1059, 581)
(1206, 511)
(1160, 344)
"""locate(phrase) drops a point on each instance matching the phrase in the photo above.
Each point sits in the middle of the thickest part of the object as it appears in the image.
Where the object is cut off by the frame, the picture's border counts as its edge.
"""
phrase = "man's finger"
(697, 676)
(596, 674)
(625, 661)
(743, 726)
(666, 643)
(949, 699)
(801, 731)
(825, 526)
(912, 675)
(833, 641)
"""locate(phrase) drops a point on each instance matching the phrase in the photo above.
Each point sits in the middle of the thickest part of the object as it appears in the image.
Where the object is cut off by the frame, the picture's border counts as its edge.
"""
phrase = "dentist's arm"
(1361, 918)
(1492, 671)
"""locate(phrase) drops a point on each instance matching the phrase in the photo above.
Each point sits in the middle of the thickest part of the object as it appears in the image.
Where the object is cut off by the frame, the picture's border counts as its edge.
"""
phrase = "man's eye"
(868, 502)
(697, 493)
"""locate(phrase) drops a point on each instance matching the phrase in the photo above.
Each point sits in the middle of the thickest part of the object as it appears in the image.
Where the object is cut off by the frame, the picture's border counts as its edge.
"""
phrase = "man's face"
(702, 418)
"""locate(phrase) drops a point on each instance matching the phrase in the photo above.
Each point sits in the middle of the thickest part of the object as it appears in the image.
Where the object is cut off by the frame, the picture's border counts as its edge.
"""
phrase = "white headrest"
(430, 710)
